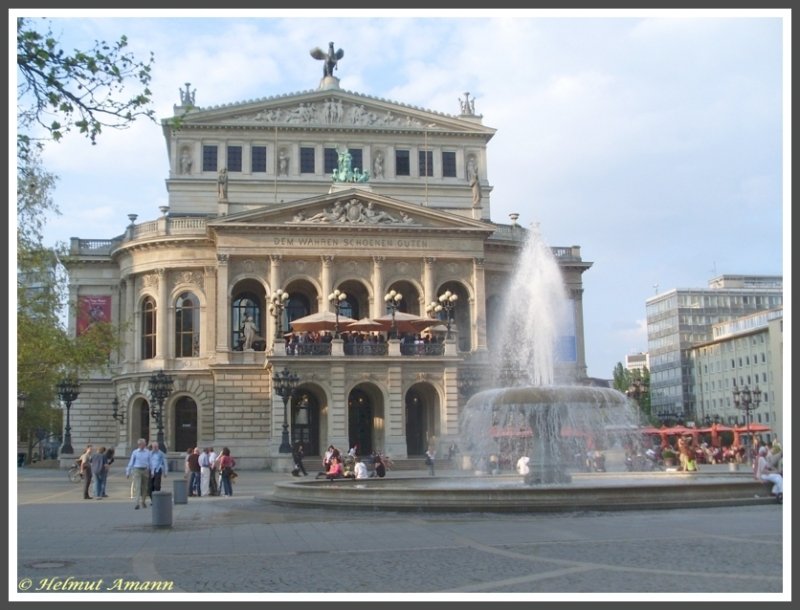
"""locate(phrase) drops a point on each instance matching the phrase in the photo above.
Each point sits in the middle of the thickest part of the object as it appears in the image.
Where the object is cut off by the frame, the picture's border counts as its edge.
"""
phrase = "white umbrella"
(322, 320)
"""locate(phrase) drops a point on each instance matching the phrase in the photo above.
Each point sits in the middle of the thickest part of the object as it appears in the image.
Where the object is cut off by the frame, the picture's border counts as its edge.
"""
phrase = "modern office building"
(745, 358)
(681, 318)
(304, 195)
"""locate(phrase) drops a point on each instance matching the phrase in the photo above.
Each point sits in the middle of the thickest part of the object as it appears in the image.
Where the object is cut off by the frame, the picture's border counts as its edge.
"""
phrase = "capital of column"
(222, 259)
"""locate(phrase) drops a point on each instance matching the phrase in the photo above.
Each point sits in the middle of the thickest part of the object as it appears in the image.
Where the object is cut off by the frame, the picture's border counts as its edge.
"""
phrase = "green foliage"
(624, 380)
(59, 92)
(84, 90)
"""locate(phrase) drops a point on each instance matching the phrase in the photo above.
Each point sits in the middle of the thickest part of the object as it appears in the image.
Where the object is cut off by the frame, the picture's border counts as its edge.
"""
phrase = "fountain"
(553, 423)
(539, 412)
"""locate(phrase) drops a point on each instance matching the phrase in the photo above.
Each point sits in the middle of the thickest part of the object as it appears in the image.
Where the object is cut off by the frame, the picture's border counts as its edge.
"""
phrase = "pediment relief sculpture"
(353, 211)
(334, 111)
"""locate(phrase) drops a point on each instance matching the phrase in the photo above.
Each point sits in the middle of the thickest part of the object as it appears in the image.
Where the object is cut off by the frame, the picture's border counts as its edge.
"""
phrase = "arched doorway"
(420, 419)
(185, 424)
(305, 423)
(140, 424)
(360, 410)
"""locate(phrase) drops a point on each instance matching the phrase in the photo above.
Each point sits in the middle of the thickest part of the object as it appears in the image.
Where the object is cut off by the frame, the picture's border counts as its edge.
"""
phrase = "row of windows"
(258, 160)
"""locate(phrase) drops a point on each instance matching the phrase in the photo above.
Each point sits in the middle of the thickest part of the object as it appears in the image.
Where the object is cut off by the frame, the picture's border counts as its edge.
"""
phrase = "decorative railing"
(422, 349)
(308, 349)
(366, 349)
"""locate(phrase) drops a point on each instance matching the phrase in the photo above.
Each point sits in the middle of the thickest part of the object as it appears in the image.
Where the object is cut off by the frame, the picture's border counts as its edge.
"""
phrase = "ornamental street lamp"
(748, 401)
(67, 390)
(284, 384)
(393, 299)
(637, 390)
(277, 305)
(160, 388)
(338, 298)
(447, 302)
(116, 413)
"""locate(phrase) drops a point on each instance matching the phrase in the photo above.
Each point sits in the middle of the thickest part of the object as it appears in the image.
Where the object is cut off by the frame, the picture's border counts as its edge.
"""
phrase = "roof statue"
(346, 172)
(331, 58)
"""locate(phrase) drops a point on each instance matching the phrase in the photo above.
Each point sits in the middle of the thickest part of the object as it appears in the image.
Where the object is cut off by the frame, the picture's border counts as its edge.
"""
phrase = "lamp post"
(637, 390)
(160, 388)
(337, 297)
(284, 384)
(277, 305)
(447, 302)
(116, 413)
(67, 390)
(392, 299)
(748, 401)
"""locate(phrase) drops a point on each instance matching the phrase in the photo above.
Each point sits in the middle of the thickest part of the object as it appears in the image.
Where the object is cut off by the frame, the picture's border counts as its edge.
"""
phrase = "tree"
(624, 381)
(58, 92)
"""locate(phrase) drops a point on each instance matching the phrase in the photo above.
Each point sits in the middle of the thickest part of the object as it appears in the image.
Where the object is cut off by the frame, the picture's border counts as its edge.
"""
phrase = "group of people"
(351, 465)
(94, 466)
(146, 466)
(209, 473)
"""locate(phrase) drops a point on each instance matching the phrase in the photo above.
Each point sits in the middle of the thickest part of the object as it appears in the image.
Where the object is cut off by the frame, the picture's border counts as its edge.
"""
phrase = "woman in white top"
(766, 472)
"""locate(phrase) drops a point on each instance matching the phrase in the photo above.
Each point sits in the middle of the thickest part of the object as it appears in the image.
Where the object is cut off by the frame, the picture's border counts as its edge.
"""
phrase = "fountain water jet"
(550, 422)
(539, 404)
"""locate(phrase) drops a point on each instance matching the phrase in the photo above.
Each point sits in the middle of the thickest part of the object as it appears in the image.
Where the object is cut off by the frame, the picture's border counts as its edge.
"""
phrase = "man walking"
(139, 467)
(158, 468)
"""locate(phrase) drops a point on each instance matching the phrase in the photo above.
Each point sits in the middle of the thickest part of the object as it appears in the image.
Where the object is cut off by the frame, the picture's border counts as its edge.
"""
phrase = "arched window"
(245, 304)
(187, 326)
(297, 307)
(148, 328)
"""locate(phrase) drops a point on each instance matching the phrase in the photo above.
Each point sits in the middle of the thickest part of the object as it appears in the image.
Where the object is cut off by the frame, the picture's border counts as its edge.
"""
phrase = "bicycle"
(74, 474)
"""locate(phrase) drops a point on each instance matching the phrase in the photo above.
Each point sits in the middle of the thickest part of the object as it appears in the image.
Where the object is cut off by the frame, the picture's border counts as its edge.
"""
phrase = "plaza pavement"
(247, 548)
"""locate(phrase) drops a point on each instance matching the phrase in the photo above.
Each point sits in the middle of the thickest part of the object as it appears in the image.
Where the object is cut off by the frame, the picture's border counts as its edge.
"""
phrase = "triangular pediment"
(351, 209)
(333, 109)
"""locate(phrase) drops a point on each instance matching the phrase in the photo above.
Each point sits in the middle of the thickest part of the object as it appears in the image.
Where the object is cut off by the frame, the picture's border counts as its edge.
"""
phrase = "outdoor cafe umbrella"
(322, 320)
(715, 429)
(748, 431)
(406, 322)
(365, 325)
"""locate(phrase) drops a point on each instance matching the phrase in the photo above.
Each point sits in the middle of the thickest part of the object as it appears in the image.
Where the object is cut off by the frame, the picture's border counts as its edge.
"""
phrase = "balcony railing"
(366, 349)
(422, 349)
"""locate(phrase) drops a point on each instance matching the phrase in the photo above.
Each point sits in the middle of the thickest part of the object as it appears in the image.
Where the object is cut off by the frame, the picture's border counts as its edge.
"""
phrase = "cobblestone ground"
(251, 546)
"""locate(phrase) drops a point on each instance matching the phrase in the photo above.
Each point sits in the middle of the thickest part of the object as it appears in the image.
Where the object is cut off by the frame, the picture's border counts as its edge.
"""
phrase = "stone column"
(129, 284)
(478, 307)
(223, 324)
(326, 283)
(209, 330)
(576, 294)
(162, 315)
(377, 286)
(428, 281)
(274, 284)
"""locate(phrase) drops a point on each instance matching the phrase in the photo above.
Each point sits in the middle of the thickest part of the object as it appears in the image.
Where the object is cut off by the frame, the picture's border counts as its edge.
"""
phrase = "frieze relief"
(188, 277)
(354, 211)
(333, 111)
(149, 280)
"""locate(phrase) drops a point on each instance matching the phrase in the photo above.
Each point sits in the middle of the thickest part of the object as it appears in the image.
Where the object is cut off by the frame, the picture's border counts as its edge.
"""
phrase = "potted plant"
(668, 455)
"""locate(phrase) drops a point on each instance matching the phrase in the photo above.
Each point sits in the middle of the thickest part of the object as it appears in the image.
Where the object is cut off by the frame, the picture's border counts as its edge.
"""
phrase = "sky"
(657, 141)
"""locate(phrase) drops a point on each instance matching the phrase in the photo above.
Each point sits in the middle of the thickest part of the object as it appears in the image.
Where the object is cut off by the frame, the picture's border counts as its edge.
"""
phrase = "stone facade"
(182, 284)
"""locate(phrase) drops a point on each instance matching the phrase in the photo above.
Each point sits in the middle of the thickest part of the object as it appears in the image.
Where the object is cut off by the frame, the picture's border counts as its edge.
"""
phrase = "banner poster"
(93, 309)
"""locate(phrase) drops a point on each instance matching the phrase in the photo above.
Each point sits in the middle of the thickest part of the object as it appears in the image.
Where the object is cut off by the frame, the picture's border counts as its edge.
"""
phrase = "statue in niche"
(283, 163)
(186, 162)
(377, 165)
(330, 59)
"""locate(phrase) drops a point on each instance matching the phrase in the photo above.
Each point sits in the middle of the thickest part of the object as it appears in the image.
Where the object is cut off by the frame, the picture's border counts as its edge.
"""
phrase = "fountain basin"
(508, 493)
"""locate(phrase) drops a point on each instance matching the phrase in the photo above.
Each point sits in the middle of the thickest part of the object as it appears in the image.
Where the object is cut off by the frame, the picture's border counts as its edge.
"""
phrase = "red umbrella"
(715, 429)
